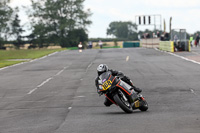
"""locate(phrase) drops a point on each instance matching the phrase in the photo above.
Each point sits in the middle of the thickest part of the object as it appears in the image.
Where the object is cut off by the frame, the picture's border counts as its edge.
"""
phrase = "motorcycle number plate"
(137, 104)
(107, 84)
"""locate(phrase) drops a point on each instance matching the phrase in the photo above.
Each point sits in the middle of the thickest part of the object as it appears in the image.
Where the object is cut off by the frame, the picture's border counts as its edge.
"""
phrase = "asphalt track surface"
(56, 94)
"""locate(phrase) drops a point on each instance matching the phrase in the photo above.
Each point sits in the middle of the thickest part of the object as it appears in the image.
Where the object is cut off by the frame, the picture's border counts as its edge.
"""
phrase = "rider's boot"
(129, 81)
(138, 90)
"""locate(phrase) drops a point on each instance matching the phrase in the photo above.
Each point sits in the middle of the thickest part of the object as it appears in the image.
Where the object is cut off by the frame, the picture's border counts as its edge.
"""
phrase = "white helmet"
(102, 68)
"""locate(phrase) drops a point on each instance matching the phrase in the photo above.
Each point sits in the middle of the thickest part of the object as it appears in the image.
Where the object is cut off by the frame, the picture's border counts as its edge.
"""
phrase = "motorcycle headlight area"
(100, 81)
(100, 87)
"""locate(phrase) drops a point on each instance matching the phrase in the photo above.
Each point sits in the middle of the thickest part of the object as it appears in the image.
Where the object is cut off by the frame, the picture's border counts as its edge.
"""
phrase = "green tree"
(57, 18)
(17, 31)
(122, 29)
(5, 15)
(39, 35)
(76, 36)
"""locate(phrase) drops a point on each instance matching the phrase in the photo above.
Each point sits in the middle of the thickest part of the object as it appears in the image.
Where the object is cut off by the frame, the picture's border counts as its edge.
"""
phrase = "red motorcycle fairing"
(111, 99)
(127, 89)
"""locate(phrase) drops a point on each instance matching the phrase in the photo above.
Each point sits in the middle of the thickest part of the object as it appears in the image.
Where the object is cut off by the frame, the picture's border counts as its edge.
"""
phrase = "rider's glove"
(99, 92)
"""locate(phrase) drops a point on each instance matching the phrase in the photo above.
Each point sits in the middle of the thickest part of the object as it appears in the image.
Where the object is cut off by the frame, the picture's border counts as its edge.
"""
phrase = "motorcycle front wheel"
(121, 100)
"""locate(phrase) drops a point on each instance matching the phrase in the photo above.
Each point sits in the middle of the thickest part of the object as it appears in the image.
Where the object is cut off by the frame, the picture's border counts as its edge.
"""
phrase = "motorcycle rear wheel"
(122, 104)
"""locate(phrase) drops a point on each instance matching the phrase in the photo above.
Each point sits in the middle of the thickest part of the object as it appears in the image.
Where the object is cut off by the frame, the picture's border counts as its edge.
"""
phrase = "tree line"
(61, 22)
(129, 31)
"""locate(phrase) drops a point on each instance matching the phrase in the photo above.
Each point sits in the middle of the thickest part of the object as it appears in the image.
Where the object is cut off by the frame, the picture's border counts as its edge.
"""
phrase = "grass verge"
(111, 47)
(72, 48)
(6, 57)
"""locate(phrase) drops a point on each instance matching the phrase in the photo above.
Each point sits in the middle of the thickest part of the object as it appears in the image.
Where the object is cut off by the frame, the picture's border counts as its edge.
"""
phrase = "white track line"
(12, 65)
(46, 81)
(127, 58)
(61, 71)
(184, 58)
(89, 66)
(40, 85)
(192, 91)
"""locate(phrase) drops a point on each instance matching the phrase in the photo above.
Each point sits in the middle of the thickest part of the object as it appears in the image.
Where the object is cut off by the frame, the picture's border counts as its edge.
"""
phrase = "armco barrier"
(166, 46)
(131, 44)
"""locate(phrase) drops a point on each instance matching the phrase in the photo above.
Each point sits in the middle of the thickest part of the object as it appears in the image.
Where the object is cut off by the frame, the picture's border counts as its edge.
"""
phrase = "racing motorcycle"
(120, 93)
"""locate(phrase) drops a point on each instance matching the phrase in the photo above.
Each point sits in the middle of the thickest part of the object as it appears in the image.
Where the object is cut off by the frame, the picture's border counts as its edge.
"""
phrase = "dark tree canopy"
(5, 16)
(57, 19)
(16, 31)
(122, 29)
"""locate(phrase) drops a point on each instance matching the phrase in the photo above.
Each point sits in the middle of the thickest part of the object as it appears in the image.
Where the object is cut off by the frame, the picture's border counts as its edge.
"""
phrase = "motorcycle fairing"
(127, 89)
(111, 99)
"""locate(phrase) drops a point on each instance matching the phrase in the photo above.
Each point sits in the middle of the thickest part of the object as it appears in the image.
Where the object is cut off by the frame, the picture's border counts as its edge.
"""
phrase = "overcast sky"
(184, 13)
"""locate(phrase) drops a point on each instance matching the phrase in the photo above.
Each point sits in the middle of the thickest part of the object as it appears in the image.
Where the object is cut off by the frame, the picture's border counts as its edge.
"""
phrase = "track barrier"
(131, 44)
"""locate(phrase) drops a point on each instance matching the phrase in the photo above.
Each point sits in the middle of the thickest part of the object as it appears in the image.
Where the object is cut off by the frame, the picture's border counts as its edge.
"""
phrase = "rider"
(104, 68)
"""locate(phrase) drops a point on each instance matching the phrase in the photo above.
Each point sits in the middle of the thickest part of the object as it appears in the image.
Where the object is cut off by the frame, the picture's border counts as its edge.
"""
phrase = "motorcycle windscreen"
(105, 76)
(105, 80)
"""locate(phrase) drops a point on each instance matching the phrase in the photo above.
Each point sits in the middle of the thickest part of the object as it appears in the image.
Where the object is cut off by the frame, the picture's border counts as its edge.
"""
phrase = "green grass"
(7, 56)
(8, 63)
(105, 47)
(111, 47)
(72, 48)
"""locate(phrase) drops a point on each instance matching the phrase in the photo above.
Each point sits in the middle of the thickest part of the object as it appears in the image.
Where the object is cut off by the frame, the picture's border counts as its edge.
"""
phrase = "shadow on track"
(118, 113)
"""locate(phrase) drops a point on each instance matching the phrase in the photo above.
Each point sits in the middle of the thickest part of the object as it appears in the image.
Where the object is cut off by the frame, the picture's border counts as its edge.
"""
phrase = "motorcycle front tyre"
(122, 105)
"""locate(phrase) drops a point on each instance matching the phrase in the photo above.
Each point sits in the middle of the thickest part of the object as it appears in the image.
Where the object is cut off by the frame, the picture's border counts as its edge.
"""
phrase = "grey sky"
(184, 13)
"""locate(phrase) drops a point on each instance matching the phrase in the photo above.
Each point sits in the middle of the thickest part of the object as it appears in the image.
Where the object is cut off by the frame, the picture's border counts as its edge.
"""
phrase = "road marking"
(40, 85)
(61, 71)
(79, 96)
(12, 65)
(30, 92)
(192, 91)
(184, 58)
(46, 81)
(127, 58)
(89, 66)
(70, 108)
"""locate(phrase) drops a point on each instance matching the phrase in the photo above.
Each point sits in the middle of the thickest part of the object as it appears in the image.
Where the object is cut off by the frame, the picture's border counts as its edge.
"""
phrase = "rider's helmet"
(102, 68)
